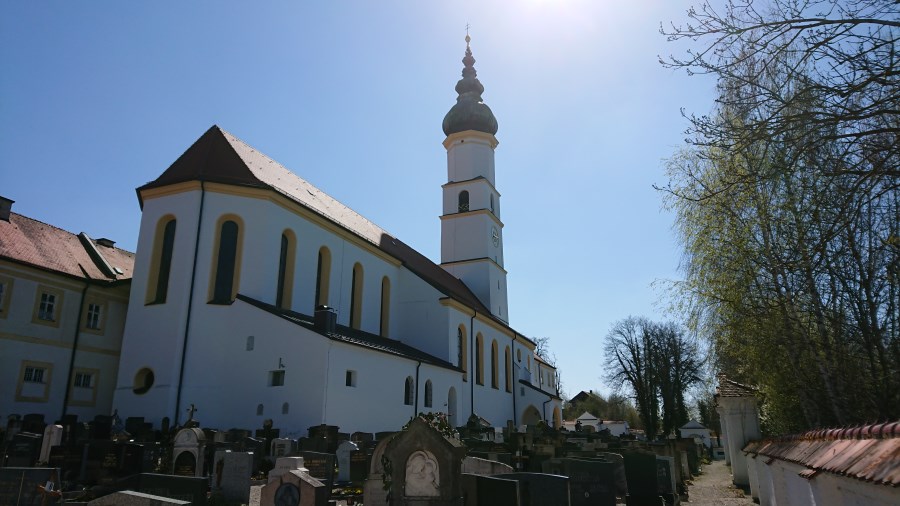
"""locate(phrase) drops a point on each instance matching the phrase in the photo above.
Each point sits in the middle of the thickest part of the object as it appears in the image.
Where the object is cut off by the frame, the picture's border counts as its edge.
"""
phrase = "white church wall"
(470, 155)
(421, 320)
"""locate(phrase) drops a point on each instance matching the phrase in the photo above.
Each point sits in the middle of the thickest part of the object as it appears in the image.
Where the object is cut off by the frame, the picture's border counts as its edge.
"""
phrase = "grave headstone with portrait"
(424, 466)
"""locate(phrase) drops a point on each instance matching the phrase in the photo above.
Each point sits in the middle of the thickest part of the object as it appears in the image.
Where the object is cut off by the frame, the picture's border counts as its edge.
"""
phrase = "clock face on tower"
(495, 236)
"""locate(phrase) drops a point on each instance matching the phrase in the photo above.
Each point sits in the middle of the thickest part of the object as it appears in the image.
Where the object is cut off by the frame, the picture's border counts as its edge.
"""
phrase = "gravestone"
(20, 485)
(484, 467)
(34, 423)
(359, 466)
(362, 437)
(182, 488)
(324, 438)
(591, 482)
(479, 490)
(283, 447)
(285, 465)
(237, 469)
(373, 489)
(132, 498)
(187, 455)
(24, 450)
(539, 489)
(52, 437)
(255, 446)
(320, 466)
(665, 475)
(641, 472)
(294, 488)
(218, 467)
(343, 459)
(101, 427)
(425, 466)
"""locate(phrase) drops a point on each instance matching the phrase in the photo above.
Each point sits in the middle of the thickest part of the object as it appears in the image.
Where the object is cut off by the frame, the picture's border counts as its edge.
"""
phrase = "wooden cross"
(191, 411)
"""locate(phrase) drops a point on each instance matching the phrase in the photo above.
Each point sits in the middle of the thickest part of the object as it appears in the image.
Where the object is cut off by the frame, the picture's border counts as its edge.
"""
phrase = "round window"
(143, 380)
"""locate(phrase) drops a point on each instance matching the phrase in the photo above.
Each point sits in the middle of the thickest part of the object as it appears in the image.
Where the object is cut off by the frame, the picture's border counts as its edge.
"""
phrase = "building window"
(356, 288)
(276, 378)
(286, 270)
(461, 355)
(5, 295)
(408, 391)
(93, 316)
(285, 408)
(161, 265)
(350, 379)
(507, 368)
(84, 380)
(250, 343)
(385, 306)
(259, 410)
(495, 369)
(518, 355)
(428, 394)
(463, 201)
(226, 262)
(323, 274)
(143, 381)
(48, 306)
(34, 374)
(479, 359)
(492, 202)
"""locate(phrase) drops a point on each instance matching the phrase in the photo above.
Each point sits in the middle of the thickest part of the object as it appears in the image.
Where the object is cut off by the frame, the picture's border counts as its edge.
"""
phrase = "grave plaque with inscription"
(320, 466)
(19, 485)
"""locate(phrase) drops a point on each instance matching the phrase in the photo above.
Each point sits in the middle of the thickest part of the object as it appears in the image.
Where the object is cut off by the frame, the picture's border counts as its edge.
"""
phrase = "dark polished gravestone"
(104, 462)
(320, 466)
(539, 489)
(641, 473)
(27, 486)
(480, 490)
(591, 481)
(23, 450)
(183, 488)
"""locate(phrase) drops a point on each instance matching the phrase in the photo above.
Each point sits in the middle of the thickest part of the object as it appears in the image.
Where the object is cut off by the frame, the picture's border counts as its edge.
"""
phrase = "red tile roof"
(220, 157)
(730, 388)
(869, 453)
(31, 242)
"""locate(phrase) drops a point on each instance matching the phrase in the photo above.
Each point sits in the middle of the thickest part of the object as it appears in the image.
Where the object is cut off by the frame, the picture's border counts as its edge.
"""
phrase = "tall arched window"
(323, 275)
(161, 265)
(226, 262)
(462, 358)
(428, 394)
(507, 368)
(409, 391)
(492, 202)
(286, 270)
(463, 201)
(285, 408)
(356, 290)
(479, 359)
(259, 410)
(385, 307)
(495, 369)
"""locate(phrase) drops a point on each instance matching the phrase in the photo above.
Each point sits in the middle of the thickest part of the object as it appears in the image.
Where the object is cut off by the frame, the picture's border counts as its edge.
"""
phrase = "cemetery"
(429, 462)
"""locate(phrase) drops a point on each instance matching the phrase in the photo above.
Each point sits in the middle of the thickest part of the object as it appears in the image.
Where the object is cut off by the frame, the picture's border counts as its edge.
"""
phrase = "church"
(255, 295)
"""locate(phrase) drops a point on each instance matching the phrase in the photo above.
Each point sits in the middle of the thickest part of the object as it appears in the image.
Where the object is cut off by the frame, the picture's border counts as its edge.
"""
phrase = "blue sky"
(99, 97)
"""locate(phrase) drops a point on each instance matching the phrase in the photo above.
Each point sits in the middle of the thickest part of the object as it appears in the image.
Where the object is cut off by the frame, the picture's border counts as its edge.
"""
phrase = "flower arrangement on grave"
(438, 421)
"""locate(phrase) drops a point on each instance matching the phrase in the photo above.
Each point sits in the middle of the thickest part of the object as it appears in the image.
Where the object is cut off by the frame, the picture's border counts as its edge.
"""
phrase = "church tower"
(471, 230)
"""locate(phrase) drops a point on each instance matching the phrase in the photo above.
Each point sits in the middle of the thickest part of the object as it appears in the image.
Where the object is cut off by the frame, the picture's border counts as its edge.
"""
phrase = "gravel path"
(714, 488)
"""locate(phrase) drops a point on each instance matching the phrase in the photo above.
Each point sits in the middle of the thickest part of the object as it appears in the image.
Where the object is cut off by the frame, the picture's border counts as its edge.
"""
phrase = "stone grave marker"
(287, 464)
(479, 490)
(34, 423)
(539, 489)
(100, 463)
(101, 427)
(255, 446)
(343, 459)
(19, 485)
(187, 455)
(621, 481)
(641, 472)
(132, 498)
(359, 466)
(182, 488)
(283, 447)
(24, 450)
(484, 467)
(294, 488)
(237, 469)
(52, 437)
(665, 475)
(591, 482)
(362, 437)
(320, 466)
(373, 489)
(425, 466)
(218, 468)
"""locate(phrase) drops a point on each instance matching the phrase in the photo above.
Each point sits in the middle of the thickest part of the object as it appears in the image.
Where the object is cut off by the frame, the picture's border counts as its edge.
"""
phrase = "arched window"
(286, 270)
(479, 359)
(226, 261)
(162, 261)
(495, 370)
(408, 391)
(507, 368)
(356, 288)
(519, 355)
(250, 343)
(463, 201)
(285, 408)
(259, 410)
(323, 275)
(428, 394)
(385, 307)
(462, 358)
(492, 202)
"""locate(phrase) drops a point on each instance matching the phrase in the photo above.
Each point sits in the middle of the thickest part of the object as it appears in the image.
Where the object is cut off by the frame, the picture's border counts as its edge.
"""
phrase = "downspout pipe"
(416, 392)
(187, 323)
(515, 382)
(544, 408)
(473, 374)
(75, 342)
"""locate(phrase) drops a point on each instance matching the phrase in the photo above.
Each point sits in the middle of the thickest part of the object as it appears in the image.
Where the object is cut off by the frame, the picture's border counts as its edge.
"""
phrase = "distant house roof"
(730, 388)
(587, 416)
(693, 424)
(36, 244)
(217, 156)
(582, 396)
(352, 336)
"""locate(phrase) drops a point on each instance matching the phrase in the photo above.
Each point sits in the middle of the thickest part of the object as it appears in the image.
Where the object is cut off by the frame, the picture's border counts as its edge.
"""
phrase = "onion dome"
(469, 113)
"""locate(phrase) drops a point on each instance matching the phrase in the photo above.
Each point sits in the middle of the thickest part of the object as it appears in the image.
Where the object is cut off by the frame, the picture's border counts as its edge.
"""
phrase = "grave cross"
(191, 410)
